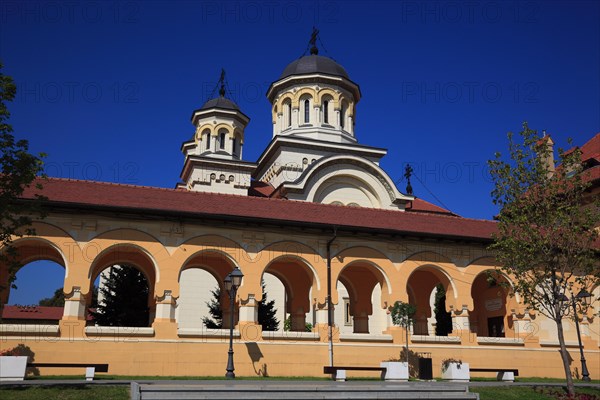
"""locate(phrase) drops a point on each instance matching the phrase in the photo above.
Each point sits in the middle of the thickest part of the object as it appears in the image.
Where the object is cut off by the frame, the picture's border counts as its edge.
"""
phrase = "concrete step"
(301, 391)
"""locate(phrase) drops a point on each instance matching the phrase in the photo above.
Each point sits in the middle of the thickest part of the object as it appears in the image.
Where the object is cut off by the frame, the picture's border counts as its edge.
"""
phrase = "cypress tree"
(125, 298)
(443, 319)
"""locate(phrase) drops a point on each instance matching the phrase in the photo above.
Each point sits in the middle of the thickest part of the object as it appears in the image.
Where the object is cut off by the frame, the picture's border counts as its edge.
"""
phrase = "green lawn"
(519, 392)
(58, 392)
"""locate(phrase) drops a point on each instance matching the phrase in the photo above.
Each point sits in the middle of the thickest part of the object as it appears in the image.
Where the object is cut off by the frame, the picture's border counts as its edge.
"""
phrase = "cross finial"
(313, 41)
(408, 170)
(222, 82)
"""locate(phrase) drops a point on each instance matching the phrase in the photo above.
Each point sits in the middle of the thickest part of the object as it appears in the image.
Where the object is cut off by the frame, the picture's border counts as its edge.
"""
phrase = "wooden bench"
(90, 369)
(339, 373)
(503, 374)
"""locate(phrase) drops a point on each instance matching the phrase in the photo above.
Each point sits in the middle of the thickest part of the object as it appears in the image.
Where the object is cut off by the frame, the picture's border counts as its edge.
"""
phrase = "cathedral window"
(206, 135)
(342, 115)
(306, 111)
(222, 140)
(326, 111)
(235, 146)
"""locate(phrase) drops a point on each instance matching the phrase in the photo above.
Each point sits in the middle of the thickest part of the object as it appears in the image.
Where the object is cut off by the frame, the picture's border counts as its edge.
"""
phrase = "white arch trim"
(320, 174)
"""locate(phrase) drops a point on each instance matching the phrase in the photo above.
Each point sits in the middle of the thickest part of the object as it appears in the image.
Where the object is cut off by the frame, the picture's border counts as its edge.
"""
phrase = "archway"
(201, 283)
(491, 301)
(360, 305)
(40, 272)
(125, 276)
(298, 280)
(421, 287)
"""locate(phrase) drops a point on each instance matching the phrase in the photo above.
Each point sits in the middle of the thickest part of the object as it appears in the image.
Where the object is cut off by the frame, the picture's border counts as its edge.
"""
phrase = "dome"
(314, 64)
(220, 102)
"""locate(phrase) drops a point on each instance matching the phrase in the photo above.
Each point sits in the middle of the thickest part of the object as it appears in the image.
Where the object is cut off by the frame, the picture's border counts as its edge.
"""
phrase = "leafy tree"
(402, 315)
(443, 319)
(287, 325)
(124, 298)
(57, 300)
(18, 171)
(267, 312)
(214, 309)
(545, 238)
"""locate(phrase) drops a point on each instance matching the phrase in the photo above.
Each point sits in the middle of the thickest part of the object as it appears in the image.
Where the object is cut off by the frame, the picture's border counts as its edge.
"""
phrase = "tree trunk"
(564, 354)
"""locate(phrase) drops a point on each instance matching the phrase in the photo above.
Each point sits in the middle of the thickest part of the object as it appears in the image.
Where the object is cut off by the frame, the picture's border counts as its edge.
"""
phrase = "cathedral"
(315, 220)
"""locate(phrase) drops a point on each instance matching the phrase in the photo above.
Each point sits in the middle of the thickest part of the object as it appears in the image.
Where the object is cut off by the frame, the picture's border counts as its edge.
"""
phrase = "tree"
(402, 315)
(19, 170)
(267, 312)
(214, 309)
(124, 298)
(443, 319)
(545, 236)
(57, 300)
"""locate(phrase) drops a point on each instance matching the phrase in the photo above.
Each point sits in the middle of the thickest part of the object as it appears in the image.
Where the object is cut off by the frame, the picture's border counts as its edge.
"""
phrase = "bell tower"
(213, 157)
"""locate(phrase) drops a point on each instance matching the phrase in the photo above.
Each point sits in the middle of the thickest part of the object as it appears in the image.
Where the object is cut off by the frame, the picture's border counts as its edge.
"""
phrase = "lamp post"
(583, 296)
(232, 282)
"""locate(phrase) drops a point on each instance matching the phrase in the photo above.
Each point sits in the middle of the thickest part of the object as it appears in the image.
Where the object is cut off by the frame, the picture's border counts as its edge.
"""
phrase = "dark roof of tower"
(220, 102)
(314, 64)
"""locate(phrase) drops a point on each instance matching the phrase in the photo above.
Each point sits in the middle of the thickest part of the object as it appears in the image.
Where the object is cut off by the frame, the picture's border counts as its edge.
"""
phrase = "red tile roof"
(32, 312)
(420, 205)
(591, 149)
(136, 199)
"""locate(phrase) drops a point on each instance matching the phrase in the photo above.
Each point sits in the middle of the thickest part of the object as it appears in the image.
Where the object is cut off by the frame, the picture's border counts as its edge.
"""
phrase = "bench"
(339, 373)
(90, 369)
(504, 374)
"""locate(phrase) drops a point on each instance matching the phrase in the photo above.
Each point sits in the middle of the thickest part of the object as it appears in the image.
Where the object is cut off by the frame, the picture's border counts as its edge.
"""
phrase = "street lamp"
(584, 297)
(232, 282)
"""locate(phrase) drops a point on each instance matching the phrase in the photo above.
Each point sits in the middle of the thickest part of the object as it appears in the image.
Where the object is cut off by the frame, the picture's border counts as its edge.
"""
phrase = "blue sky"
(107, 89)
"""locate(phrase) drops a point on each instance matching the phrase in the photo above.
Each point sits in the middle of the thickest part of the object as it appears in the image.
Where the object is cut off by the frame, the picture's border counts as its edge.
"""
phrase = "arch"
(325, 170)
(125, 253)
(209, 246)
(422, 281)
(301, 93)
(221, 126)
(324, 93)
(490, 316)
(360, 278)
(28, 250)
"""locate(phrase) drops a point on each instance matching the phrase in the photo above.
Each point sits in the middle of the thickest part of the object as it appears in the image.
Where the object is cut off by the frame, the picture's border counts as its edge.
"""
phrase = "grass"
(521, 392)
(60, 392)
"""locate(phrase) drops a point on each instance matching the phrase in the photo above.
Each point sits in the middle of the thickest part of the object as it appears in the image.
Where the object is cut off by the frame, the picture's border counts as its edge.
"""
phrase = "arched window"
(235, 147)
(222, 140)
(206, 135)
(326, 111)
(306, 111)
(287, 113)
(342, 115)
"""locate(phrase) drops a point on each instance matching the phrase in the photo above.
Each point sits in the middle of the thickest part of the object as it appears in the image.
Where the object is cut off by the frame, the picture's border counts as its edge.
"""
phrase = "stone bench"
(503, 374)
(90, 369)
(339, 373)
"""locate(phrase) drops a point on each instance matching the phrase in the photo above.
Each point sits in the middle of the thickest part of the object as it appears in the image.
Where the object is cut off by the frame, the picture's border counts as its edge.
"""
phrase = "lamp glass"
(236, 277)
(228, 283)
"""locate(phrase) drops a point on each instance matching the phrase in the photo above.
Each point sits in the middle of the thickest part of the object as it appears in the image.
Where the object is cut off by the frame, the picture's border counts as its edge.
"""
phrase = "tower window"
(208, 141)
(222, 140)
(326, 111)
(342, 115)
(288, 108)
(235, 146)
(306, 111)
